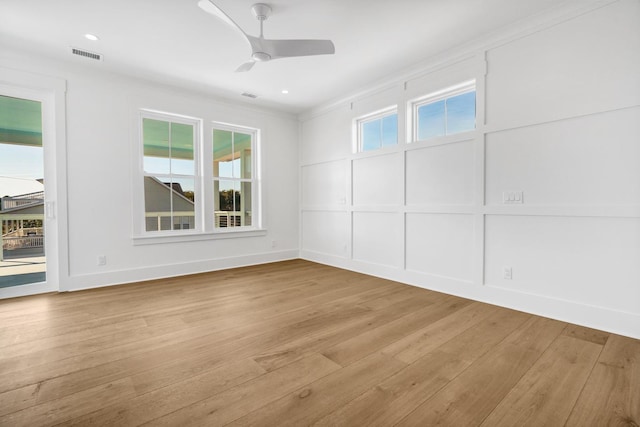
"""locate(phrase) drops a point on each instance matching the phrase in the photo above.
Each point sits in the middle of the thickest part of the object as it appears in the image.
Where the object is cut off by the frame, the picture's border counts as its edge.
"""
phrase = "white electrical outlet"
(102, 260)
(274, 243)
(507, 273)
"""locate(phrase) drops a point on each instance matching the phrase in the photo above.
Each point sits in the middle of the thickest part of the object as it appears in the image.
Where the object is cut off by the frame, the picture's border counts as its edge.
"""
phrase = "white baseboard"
(602, 318)
(90, 281)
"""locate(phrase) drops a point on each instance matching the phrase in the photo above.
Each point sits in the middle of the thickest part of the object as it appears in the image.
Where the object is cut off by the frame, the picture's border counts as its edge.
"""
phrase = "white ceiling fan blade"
(263, 49)
(256, 43)
(245, 67)
(288, 48)
(209, 7)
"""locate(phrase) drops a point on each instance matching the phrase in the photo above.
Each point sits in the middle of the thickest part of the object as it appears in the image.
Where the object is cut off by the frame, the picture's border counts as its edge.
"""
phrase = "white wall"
(101, 150)
(558, 119)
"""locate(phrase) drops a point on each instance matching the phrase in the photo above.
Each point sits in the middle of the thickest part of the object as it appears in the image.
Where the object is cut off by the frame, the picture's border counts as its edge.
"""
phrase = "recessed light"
(285, 91)
(91, 37)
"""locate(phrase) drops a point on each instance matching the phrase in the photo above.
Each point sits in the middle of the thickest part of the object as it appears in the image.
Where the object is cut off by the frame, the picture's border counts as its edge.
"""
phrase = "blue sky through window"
(461, 113)
(447, 117)
(20, 161)
(381, 132)
(229, 169)
(371, 135)
(390, 130)
(187, 184)
(431, 121)
(162, 165)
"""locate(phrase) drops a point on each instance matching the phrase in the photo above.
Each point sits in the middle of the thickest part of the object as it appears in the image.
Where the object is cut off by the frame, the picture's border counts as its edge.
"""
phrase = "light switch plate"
(512, 197)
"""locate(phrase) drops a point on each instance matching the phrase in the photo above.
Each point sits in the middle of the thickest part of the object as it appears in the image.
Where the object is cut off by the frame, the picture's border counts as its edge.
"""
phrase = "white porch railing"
(181, 220)
(9, 202)
(228, 219)
(186, 220)
(10, 243)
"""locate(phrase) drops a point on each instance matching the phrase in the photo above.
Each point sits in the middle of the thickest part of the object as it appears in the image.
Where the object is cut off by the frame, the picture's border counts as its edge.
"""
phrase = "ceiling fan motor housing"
(261, 11)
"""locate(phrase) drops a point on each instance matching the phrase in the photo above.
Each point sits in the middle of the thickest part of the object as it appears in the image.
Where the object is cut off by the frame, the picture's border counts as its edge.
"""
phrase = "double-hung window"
(195, 185)
(234, 177)
(170, 171)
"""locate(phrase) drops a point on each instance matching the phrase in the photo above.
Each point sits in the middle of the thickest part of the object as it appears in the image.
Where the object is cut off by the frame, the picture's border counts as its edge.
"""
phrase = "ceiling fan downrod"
(261, 11)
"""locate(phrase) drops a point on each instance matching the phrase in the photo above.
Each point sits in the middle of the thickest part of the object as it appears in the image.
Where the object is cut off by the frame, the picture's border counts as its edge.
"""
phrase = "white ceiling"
(174, 41)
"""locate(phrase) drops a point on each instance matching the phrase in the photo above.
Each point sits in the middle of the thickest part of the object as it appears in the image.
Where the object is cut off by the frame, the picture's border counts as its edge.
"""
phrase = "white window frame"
(256, 187)
(359, 122)
(440, 95)
(197, 173)
(204, 200)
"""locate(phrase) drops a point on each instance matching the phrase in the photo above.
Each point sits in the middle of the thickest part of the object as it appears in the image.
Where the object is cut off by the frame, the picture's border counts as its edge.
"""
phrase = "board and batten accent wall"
(558, 119)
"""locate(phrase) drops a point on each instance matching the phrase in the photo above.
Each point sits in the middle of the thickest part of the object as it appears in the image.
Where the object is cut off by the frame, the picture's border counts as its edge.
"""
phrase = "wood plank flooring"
(298, 343)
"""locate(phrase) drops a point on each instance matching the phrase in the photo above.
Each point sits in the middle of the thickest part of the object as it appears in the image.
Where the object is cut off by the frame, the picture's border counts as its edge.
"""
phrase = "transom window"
(446, 113)
(377, 130)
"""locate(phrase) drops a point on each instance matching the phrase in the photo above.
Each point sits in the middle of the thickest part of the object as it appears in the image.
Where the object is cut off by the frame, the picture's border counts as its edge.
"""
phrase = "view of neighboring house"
(160, 200)
(21, 215)
(21, 218)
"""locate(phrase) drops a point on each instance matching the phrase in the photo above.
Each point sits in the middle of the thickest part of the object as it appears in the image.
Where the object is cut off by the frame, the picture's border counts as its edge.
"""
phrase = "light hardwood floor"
(297, 343)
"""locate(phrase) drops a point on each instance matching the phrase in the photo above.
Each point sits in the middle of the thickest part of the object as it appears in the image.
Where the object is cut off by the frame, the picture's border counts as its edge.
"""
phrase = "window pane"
(158, 165)
(169, 204)
(155, 135)
(227, 203)
(20, 122)
(461, 113)
(151, 224)
(21, 161)
(371, 135)
(183, 198)
(242, 155)
(245, 203)
(157, 204)
(390, 130)
(232, 160)
(431, 121)
(165, 223)
(225, 197)
(222, 153)
(182, 149)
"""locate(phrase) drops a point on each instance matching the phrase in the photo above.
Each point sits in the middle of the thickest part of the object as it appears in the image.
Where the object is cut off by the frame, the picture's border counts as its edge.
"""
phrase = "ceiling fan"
(262, 49)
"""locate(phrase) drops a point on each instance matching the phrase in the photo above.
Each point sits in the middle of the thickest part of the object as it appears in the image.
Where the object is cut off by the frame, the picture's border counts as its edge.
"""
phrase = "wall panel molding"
(572, 244)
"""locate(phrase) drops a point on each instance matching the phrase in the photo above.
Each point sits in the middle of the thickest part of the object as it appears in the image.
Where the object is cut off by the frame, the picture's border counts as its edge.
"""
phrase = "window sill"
(160, 238)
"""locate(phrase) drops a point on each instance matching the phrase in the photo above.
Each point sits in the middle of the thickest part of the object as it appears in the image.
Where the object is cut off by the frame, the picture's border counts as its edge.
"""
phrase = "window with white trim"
(193, 185)
(234, 176)
(170, 146)
(377, 130)
(446, 112)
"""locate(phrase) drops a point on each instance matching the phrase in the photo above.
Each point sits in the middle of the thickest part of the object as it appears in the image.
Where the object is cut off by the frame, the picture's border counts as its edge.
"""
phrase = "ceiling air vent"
(86, 54)
(249, 95)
